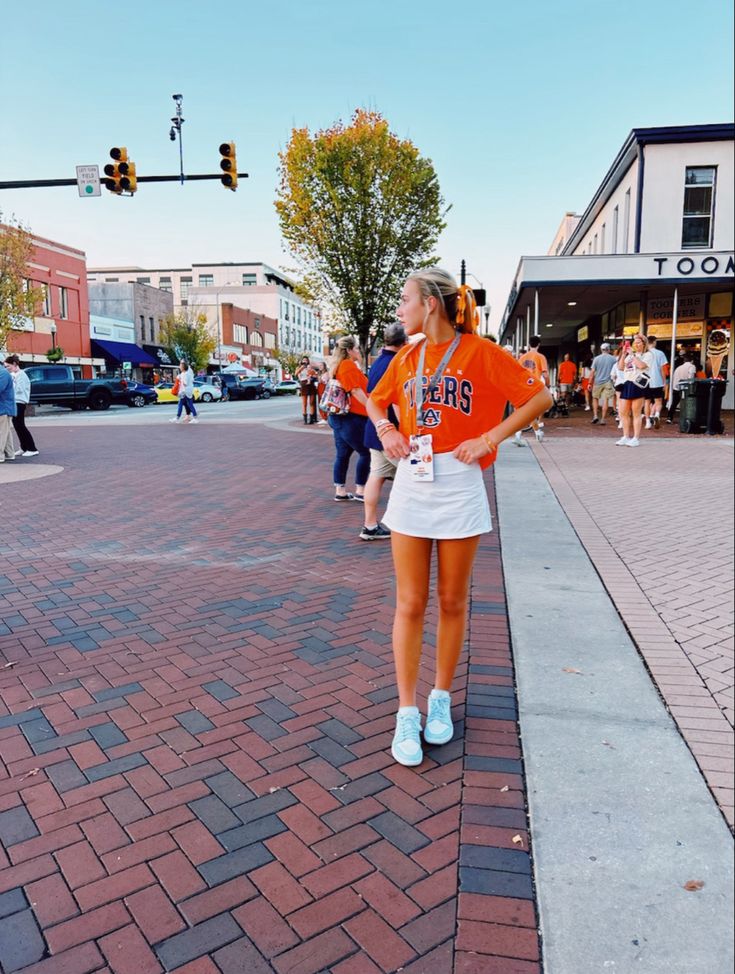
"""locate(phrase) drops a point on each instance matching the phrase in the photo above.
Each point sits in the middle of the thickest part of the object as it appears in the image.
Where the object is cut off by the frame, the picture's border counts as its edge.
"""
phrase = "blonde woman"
(349, 428)
(451, 424)
(634, 367)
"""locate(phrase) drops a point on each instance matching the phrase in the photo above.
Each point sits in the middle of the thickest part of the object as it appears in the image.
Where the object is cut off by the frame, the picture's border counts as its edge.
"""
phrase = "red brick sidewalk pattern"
(657, 523)
(194, 732)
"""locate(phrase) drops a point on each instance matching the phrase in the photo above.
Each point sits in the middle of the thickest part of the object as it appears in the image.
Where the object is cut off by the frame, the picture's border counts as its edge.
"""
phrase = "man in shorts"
(567, 375)
(602, 388)
(535, 363)
(657, 369)
(381, 468)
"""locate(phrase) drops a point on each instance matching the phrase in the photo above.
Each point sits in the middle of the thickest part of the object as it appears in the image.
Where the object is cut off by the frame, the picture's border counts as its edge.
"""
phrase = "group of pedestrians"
(429, 417)
(15, 394)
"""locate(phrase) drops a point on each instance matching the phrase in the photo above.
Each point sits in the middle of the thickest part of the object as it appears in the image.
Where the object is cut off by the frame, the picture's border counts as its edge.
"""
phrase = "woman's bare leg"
(412, 562)
(626, 417)
(637, 410)
(456, 558)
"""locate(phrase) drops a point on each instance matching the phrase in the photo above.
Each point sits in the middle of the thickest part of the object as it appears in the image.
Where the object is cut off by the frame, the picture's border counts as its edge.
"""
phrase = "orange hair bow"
(467, 308)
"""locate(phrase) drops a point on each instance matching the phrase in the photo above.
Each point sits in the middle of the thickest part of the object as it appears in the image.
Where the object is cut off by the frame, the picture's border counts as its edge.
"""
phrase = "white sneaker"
(193, 420)
(623, 441)
(587, 409)
(19, 453)
(406, 747)
(539, 435)
(174, 420)
(634, 442)
(649, 425)
(439, 728)
(518, 440)
(30, 453)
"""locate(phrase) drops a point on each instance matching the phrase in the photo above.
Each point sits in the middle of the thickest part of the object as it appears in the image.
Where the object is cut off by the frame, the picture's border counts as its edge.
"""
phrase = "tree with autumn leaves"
(19, 300)
(359, 209)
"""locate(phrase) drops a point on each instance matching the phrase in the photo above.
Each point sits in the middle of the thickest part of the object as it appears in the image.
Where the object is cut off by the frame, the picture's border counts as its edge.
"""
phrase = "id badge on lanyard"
(421, 458)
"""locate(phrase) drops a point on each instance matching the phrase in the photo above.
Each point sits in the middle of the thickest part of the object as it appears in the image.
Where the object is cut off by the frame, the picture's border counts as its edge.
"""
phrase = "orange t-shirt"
(350, 377)
(567, 373)
(470, 399)
(534, 362)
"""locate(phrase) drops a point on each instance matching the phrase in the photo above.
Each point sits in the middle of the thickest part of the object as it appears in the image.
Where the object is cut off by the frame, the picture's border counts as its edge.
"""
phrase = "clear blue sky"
(521, 106)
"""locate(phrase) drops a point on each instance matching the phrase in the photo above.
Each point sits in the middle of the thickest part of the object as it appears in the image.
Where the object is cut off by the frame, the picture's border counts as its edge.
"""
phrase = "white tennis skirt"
(453, 505)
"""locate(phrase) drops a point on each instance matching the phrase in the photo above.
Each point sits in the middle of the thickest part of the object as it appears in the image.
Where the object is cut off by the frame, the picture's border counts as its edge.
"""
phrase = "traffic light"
(228, 165)
(120, 173)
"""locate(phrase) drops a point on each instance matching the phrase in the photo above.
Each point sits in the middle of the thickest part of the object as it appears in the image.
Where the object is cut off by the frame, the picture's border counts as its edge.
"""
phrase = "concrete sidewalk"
(621, 819)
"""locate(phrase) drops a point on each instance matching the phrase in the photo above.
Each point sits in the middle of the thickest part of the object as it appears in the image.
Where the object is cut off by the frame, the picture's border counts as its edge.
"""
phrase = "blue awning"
(124, 352)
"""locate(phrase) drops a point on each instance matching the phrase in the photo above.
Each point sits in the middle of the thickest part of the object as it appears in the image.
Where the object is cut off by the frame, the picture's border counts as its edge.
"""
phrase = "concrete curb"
(620, 816)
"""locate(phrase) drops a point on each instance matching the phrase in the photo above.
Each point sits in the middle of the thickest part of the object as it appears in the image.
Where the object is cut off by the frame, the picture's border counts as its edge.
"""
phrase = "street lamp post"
(53, 336)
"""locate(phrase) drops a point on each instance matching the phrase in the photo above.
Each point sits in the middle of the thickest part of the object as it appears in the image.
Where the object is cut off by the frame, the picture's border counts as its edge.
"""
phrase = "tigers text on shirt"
(470, 398)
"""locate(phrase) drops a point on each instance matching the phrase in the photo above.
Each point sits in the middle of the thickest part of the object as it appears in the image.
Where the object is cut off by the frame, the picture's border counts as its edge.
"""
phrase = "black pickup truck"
(55, 385)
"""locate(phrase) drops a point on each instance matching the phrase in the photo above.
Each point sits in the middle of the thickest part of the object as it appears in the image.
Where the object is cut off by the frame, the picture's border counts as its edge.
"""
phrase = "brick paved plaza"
(196, 705)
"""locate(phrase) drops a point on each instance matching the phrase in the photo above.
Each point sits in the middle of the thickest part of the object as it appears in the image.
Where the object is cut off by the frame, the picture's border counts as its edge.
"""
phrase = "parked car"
(287, 387)
(140, 394)
(163, 390)
(55, 385)
(208, 392)
(237, 385)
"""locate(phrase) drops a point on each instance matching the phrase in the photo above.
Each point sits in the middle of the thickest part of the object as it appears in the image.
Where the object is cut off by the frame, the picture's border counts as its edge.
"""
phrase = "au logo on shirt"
(432, 418)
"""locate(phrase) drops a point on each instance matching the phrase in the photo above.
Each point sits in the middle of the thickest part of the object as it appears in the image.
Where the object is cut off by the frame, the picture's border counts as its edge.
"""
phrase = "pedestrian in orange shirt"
(349, 428)
(567, 377)
(535, 363)
(450, 390)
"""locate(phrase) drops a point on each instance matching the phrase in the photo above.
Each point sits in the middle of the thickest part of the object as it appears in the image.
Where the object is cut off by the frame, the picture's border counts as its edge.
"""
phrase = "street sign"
(127, 366)
(88, 180)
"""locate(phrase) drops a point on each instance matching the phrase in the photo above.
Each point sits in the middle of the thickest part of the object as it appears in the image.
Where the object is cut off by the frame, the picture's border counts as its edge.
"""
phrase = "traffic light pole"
(39, 183)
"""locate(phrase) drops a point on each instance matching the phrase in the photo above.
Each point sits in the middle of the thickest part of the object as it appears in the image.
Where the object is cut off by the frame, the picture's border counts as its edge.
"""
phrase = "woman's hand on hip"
(395, 445)
(471, 451)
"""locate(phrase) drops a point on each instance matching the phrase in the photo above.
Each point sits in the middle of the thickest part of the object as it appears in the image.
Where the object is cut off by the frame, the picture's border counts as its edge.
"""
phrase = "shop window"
(699, 198)
(626, 221)
(616, 217)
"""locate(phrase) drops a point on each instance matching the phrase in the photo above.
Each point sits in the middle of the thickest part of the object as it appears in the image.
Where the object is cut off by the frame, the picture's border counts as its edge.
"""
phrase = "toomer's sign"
(709, 265)
(661, 310)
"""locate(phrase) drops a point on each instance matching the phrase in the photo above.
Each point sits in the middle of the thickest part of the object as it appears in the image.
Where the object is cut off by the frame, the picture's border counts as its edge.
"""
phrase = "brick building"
(246, 337)
(62, 320)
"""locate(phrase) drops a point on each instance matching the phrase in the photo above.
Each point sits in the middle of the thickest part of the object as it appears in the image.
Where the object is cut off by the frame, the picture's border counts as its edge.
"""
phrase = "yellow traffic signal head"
(128, 179)
(228, 165)
(119, 153)
(113, 181)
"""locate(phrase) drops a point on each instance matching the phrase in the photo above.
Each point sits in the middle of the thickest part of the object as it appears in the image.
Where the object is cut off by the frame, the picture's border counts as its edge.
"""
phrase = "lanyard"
(435, 379)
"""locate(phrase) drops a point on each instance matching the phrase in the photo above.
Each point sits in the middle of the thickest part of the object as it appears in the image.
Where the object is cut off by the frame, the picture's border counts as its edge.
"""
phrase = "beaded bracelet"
(386, 428)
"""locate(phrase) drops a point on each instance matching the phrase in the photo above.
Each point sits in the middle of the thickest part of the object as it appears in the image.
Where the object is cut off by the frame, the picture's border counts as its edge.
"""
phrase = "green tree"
(19, 300)
(359, 209)
(186, 335)
(289, 361)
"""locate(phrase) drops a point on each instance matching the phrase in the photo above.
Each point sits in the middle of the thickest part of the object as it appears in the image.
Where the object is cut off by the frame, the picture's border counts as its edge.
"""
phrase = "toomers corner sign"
(698, 265)
(88, 180)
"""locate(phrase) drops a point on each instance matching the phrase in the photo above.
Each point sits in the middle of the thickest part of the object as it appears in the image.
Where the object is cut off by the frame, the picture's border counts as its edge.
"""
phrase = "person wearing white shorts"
(450, 390)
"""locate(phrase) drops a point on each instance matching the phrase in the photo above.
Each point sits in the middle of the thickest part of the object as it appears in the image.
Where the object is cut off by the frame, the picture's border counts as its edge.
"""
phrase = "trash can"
(710, 393)
(688, 407)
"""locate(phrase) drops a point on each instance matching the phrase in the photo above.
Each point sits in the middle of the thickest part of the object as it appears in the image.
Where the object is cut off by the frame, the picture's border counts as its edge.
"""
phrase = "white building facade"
(653, 251)
(252, 285)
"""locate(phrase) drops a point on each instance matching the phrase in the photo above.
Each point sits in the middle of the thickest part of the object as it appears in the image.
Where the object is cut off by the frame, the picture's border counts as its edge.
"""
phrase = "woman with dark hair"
(306, 376)
(22, 386)
(349, 427)
(450, 390)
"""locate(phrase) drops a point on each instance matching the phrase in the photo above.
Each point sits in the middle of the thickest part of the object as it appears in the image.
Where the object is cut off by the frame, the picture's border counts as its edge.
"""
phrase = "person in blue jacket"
(381, 468)
(7, 412)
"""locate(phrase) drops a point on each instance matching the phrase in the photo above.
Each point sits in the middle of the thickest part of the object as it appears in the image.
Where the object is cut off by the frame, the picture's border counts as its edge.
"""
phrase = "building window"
(626, 222)
(186, 283)
(142, 280)
(699, 200)
(286, 312)
(142, 328)
(109, 280)
(206, 280)
(165, 284)
(616, 216)
(256, 339)
(63, 302)
(152, 329)
(249, 279)
(241, 334)
(602, 238)
(270, 340)
(46, 301)
(257, 322)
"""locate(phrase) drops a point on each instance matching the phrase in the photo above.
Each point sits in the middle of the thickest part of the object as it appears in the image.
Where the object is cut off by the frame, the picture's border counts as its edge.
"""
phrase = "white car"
(207, 391)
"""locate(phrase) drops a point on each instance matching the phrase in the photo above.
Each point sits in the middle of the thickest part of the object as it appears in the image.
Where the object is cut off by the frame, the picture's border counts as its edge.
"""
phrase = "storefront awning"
(124, 352)
(160, 355)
